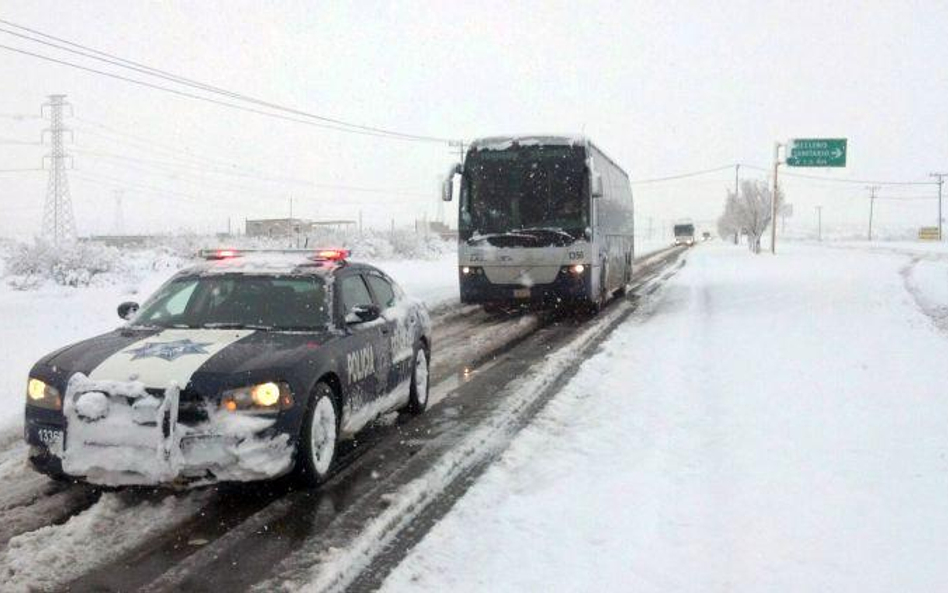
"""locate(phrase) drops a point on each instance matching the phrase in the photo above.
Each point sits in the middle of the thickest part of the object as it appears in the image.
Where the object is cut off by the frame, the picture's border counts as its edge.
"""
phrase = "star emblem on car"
(168, 350)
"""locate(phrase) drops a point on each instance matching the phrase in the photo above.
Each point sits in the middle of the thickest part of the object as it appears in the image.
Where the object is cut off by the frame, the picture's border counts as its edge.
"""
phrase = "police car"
(248, 366)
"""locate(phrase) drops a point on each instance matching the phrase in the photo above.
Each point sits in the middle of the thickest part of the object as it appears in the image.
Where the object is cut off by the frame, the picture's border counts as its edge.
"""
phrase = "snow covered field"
(763, 424)
(36, 322)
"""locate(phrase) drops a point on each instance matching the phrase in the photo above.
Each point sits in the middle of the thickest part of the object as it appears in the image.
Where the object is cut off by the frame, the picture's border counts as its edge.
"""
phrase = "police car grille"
(191, 406)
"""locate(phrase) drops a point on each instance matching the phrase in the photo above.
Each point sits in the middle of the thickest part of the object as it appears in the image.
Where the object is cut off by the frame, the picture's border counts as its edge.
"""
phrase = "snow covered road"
(768, 424)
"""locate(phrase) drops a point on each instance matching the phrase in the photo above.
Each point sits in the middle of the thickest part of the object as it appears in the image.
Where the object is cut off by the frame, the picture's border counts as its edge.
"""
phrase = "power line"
(12, 141)
(906, 198)
(19, 116)
(206, 99)
(306, 183)
(21, 170)
(681, 175)
(837, 180)
(158, 73)
(153, 146)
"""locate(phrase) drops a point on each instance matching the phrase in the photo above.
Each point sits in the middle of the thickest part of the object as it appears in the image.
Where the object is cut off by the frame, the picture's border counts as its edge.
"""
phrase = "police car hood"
(158, 357)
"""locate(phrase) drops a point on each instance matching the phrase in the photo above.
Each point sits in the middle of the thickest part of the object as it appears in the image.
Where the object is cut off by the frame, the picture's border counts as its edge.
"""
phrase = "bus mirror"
(596, 185)
(447, 187)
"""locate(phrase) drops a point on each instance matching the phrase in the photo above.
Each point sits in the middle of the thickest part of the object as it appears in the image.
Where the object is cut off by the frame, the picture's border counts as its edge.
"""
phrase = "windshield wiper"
(550, 230)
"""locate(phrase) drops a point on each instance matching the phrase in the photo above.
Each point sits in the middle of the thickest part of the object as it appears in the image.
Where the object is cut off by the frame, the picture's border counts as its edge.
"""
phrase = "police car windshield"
(239, 301)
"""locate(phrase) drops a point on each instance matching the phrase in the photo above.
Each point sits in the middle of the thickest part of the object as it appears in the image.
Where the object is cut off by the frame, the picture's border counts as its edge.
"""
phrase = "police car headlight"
(263, 397)
(43, 395)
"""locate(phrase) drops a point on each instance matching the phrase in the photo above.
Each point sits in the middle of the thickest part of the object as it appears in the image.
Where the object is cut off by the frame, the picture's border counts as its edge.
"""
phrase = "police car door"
(365, 342)
(399, 337)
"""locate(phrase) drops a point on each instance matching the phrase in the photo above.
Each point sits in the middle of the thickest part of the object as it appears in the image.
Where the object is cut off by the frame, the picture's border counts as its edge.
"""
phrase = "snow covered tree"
(749, 213)
(729, 225)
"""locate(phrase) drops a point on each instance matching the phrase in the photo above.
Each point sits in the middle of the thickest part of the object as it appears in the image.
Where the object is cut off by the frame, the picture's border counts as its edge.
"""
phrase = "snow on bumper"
(117, 433)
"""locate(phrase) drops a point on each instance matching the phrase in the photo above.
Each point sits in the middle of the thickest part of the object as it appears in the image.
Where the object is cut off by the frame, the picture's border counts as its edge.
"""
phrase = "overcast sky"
(664, 88)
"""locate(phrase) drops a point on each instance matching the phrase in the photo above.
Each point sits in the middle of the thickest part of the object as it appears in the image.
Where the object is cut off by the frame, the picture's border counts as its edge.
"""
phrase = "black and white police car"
(248, 366)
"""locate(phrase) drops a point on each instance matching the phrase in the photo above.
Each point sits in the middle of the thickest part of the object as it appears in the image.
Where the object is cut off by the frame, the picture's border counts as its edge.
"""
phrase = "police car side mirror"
(127, 310)
(363, 314)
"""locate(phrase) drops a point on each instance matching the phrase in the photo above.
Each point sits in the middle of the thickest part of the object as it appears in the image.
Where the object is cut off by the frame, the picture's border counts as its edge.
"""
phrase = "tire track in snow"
(49, 557)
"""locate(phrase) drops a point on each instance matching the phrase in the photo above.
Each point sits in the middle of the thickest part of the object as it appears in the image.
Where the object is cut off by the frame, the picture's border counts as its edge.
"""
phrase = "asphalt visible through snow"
(349, 533)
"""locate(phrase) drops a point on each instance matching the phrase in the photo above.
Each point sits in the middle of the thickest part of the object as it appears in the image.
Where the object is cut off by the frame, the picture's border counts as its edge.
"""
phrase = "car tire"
(420, 383)
(319, 437)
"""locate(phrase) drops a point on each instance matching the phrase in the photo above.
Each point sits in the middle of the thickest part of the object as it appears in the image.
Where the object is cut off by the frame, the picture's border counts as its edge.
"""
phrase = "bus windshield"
(537, 187)
(684, 230)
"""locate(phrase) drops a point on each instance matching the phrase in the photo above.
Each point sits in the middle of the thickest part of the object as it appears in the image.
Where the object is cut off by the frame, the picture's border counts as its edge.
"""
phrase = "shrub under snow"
(81, 264)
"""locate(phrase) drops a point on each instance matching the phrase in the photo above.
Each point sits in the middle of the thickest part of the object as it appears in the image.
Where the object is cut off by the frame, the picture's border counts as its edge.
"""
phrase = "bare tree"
(748, 213)
(729, 224)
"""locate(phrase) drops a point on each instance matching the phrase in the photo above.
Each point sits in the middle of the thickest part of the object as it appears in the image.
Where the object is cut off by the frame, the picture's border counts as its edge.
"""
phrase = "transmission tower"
(59, 227)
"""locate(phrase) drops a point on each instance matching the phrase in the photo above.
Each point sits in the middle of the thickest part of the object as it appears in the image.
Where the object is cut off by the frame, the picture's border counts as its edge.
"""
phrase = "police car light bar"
(315, 255)
(331, 254)
(219, 253)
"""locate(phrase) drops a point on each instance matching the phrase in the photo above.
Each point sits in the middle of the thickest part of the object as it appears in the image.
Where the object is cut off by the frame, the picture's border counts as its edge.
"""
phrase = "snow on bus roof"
(505, 142)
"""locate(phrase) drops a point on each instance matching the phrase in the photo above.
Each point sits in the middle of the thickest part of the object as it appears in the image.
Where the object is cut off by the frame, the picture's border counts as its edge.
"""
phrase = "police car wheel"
(418, 394)
(318, 437)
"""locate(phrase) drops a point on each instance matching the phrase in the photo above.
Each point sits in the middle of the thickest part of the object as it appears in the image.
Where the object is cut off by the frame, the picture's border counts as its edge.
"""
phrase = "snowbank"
(771, 424)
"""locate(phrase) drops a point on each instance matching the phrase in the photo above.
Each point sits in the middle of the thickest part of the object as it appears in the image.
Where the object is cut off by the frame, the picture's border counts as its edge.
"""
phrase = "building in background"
(292, 227)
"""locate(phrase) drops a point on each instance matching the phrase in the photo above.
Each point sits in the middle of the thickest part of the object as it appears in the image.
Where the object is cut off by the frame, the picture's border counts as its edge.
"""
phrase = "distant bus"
(542, 219)
(684, 234)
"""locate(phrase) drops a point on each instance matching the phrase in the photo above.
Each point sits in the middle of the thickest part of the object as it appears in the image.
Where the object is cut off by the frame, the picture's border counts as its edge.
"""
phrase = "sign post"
(773, 199)
(804, 152)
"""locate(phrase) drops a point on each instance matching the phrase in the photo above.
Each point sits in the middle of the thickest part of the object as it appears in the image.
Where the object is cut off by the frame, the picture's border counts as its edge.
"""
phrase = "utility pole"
(59, 226)
(773, 200)
(737, 177)
(291, 208)
(819, 223)
(872, 199)
(941, 181)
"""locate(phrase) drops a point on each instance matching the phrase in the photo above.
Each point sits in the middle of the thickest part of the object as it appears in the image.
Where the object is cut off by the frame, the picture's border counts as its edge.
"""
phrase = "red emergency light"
(226, 253)
(331, 254)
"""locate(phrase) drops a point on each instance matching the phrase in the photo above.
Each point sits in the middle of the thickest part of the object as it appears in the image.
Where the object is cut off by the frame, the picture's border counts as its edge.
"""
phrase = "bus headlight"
(263, 397)
(471, 270)
(577, 268)
(43, 395)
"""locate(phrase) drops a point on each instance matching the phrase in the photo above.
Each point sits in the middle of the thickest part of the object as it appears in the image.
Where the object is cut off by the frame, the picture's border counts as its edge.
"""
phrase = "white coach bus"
(542, 219)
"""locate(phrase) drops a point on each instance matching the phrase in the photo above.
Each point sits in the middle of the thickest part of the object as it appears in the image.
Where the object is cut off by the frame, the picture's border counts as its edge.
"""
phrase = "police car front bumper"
(119, 448)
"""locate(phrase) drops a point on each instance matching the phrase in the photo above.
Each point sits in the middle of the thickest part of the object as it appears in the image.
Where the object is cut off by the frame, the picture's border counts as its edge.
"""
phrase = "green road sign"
(816, 152)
